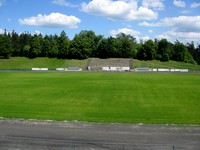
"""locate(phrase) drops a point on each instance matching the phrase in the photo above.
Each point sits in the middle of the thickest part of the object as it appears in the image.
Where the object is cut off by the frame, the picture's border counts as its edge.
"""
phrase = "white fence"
(36, 69)
(160, 70)
(69, 69)
(73, 69)
(40, 69)
(143, 69)
(116, 68)
(184, 70)
(60, 69)
(44, 69)
(163, 70)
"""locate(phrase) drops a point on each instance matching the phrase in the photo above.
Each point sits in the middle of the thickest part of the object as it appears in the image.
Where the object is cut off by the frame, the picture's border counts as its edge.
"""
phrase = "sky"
(143, 19)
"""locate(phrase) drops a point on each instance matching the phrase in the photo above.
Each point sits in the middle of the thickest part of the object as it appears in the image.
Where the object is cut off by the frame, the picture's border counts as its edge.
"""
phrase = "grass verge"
(170, 65)
(101, 97)
(51, 63)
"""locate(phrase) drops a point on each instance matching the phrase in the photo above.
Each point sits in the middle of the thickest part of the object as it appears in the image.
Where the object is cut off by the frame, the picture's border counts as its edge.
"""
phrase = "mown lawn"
(169, 64)
(101, 97)
(40, 62)
(22, 63)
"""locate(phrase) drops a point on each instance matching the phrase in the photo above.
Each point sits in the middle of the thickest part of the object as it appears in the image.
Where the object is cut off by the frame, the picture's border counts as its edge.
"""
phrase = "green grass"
(101, 97)
(51, 63)
(169, 64)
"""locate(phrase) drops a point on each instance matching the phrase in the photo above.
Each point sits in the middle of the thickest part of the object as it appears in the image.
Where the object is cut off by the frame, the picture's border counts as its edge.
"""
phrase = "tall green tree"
(197, 59)
(24, 39)
(127, 43)
(26, 50)
(105, 49)
(194, 51)
(43, 46)
(180, 53)
(53, 52)
(147, 51)
(5, 46)
(63, 46)
(46, 46)
(97, 41)
(15, 44)
(36, 48)
(84, 44)
(108, 48)
(164, 50)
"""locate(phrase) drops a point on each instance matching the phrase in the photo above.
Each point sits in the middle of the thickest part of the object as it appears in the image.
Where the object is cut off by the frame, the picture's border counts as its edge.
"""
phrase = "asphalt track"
(32, 134)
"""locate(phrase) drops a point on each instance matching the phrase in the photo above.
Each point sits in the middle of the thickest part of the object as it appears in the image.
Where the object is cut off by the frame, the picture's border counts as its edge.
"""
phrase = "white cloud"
(155, 4)
(147, 24)
(195, 5)
(179, 3)
(181, 23)
(181, 28)
(119, 10)
(54, 20)
(63, 3)
(2, 2)
(1, 31)
(126, 31)
(143, 13)
(181, 36)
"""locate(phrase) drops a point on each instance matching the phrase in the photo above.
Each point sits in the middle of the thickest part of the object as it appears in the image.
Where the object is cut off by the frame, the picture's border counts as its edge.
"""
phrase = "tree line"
(88, 44)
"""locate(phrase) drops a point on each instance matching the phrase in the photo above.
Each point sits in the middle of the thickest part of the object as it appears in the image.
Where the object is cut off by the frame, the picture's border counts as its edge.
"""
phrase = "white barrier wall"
(172, 70)
(184, 70)
(36, 69)
(60, 69)
(181, 70)
(125, 68)
(73, 69)
(177, 70)
(106, 68)
(143, 69)
(69, 69)
(39, 69)
(44, 69)
(160, 70)
(116, 68)
(163, 70)
(154, 70)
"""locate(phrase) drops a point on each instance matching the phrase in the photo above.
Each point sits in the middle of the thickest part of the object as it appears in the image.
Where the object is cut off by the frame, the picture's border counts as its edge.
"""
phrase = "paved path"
(21, 134)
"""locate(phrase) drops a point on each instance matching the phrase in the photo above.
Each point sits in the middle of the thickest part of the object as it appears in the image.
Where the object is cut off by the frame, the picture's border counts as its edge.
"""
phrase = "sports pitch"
(101, 97)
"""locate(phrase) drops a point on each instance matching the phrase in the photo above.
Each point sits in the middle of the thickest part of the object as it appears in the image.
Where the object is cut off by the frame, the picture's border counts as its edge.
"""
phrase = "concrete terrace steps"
(97, 63)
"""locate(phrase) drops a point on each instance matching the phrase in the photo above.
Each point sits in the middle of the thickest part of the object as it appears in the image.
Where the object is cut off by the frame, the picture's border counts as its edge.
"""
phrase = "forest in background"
(87, 44)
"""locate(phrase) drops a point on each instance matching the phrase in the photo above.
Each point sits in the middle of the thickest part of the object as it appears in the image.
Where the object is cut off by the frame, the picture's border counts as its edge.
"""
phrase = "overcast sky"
(143, 19)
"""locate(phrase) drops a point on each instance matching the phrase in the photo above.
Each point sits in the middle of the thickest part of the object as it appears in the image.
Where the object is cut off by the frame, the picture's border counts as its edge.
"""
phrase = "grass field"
(169, 64)
(101, 97)
(53, 63)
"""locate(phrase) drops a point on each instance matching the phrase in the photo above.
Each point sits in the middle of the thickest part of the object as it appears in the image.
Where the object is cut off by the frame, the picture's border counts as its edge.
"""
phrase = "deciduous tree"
(63, 46)
(5, 46)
